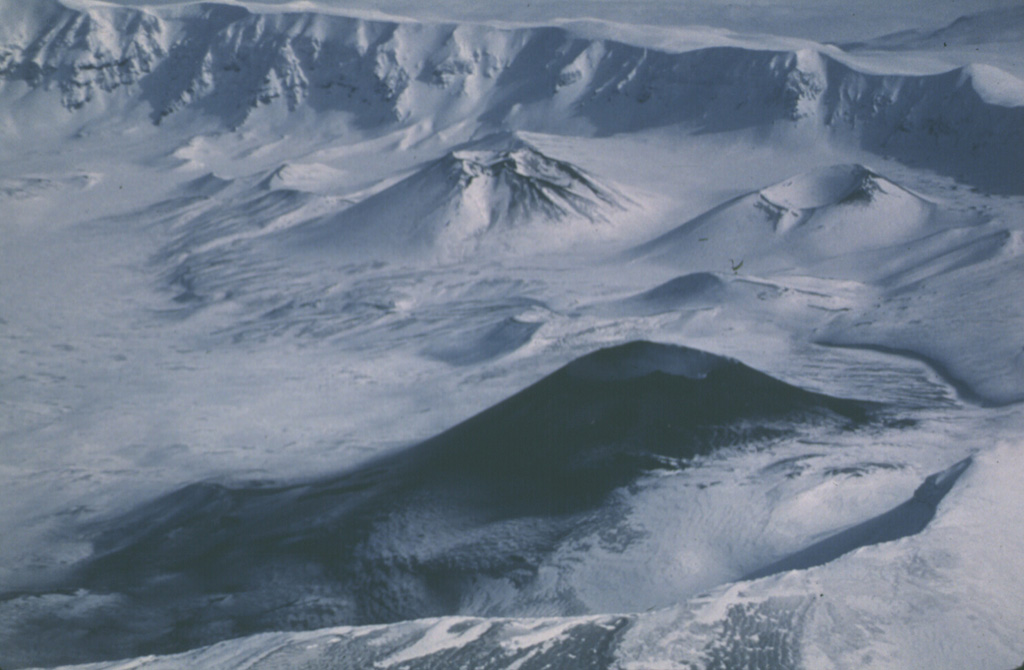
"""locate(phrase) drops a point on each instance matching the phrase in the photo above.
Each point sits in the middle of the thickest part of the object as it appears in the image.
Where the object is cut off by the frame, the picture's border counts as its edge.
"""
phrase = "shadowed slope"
(414, 533)
(908, 518)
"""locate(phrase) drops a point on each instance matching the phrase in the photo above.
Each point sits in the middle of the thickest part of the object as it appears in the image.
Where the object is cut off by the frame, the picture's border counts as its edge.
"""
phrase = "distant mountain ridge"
(227, 63)
(996, 25)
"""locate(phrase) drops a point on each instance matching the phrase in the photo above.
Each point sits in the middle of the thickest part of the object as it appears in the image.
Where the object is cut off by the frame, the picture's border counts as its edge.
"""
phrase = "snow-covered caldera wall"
(227, 64)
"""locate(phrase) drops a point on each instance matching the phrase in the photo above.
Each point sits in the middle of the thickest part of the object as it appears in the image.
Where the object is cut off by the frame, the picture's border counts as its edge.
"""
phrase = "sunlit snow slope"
(497, 193)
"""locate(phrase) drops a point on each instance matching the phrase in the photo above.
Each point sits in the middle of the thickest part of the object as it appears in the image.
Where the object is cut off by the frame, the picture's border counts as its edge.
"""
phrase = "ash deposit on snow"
(402, 337)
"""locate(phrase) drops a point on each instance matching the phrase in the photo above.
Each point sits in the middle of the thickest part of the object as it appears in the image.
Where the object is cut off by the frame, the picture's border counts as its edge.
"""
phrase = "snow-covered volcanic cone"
(499, 194)
(422, 532)
(817, 216)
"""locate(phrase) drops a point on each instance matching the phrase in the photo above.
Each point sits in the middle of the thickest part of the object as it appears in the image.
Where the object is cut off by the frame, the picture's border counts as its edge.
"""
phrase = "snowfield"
(417, 338)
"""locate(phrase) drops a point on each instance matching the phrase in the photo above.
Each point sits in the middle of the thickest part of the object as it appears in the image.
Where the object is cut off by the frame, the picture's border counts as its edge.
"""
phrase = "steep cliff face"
(225, 61)
(76, 53)
(968, 121)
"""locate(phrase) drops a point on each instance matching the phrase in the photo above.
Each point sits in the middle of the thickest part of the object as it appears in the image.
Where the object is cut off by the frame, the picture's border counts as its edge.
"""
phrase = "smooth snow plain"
(331, 339)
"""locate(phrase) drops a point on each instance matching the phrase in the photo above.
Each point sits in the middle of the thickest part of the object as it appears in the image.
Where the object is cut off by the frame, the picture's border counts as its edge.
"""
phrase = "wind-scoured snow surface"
(329, 339)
